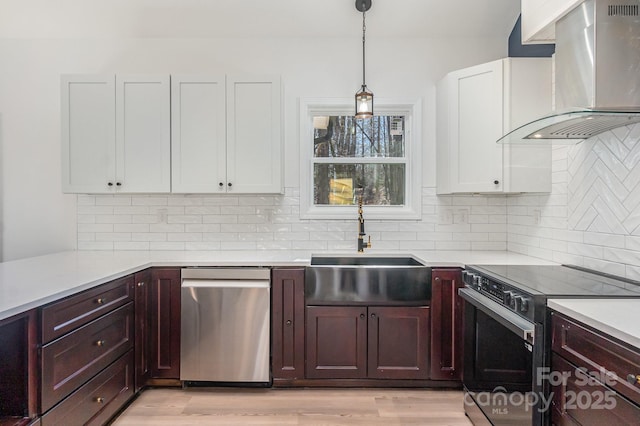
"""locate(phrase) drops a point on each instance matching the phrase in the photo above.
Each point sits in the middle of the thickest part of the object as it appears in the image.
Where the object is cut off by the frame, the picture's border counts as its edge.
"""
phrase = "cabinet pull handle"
(141, 283)
(101, 301)
(100, 400)
(361, 316)
(288, 322)
(634, 379)
(101, 343)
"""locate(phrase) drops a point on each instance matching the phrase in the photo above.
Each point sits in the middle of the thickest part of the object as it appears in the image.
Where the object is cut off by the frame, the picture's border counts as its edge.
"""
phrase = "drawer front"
(66, 315)
(578, 399)
(97, 400)
(70, 361)
(593, 351)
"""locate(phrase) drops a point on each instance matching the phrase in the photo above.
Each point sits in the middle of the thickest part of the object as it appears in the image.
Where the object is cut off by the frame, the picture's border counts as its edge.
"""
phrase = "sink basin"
(365, 261)
(368, 280)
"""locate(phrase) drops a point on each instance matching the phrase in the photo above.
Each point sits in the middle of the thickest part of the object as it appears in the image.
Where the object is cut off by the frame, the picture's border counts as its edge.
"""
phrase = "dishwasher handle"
(216, 283)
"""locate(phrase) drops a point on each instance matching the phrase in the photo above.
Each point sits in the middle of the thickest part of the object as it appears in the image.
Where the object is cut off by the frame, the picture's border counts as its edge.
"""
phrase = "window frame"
(412, 112)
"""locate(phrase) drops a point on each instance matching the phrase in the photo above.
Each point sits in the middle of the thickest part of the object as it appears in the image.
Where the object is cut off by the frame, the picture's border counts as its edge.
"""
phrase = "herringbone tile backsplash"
(592, 217)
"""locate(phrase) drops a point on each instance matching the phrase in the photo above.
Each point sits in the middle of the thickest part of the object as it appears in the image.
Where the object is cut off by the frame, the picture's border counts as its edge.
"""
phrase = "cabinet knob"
(141, 284)
(109, 183)
(229, 184)
(362, 316)
(220, 184)
(373, 315)
(496, 182)
(101, 343)
(437, 278)
(100, 400)
(101, 301)
(634, 379)
(288, 322)
(118, 184)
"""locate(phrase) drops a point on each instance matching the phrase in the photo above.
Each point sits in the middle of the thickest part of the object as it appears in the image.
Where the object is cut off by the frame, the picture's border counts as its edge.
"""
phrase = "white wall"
(37, 218)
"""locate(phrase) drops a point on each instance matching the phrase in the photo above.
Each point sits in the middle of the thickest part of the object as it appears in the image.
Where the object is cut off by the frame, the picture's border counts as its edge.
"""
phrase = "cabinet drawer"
(579, 399)
(97, 400)
(594, 351)
(72, 360)
(61, 317)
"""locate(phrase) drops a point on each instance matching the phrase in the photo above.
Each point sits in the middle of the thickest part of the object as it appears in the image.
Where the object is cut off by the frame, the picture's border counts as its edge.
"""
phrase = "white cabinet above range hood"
(597, 74)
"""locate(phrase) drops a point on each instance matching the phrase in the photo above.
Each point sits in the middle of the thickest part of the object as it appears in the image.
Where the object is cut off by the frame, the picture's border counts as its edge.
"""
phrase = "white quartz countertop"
(35, 281)
(619, 318)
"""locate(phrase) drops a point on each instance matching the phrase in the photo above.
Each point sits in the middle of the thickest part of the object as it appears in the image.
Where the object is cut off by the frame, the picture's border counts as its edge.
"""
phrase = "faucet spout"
(361, 243)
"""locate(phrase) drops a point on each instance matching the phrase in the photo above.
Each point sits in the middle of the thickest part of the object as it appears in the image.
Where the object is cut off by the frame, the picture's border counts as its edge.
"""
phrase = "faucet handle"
(368, 242)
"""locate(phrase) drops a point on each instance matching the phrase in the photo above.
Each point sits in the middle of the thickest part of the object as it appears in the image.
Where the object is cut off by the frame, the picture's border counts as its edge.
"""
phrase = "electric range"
(506, 332)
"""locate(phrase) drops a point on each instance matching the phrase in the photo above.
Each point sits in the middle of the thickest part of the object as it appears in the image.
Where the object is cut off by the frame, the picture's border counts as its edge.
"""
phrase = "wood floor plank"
(265, 407)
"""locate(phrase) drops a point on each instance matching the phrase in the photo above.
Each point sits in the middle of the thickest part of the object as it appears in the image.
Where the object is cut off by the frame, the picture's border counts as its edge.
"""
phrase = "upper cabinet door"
(88, 133)
(198, 134)
(474, 124)
(143, 139)
(254, 146)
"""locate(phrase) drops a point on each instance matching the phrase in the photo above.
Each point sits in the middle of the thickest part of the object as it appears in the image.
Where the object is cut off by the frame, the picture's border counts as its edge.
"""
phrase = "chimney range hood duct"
(597, 74)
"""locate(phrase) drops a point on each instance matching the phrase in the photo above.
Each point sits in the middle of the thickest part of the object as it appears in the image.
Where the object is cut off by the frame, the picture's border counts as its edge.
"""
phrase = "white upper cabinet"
(254, 147)
(539, 18)
(143, 139)
(475, 107)
(198, 134)
(226, 134)
(88, 133)
(115, 134)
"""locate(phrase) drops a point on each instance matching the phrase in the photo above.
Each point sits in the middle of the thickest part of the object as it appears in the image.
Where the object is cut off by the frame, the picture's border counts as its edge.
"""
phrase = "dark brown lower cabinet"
(287, 331)
(165, 323)
(398, 340)
(95, 402)
(357, 342)
(142, 282)
(588, 379)
(446, 324)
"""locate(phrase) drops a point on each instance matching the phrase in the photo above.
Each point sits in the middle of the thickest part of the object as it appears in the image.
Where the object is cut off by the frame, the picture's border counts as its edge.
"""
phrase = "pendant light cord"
(364, 29)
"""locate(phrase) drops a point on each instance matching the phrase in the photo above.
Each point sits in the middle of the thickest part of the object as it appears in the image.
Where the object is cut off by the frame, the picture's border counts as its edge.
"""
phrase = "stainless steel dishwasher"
(225, 330)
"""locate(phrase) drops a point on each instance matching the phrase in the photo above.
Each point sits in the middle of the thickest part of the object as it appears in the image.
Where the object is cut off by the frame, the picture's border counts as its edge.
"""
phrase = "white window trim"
(412, 110)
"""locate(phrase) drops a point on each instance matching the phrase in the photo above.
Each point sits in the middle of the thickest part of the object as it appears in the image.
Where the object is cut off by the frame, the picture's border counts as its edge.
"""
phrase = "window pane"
(382, 184)
(344, 136)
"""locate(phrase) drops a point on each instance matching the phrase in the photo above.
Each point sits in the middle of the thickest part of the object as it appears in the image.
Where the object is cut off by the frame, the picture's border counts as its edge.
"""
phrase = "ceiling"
(254, 18)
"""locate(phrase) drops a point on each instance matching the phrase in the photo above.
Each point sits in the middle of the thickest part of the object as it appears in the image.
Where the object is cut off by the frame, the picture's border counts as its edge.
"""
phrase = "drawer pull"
(141, 283)
(100, 400)
(101, 301)
(101, 343)
(634, 379)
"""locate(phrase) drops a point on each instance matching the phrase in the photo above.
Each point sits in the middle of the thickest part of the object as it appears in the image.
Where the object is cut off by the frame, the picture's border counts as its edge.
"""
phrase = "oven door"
(502, 352)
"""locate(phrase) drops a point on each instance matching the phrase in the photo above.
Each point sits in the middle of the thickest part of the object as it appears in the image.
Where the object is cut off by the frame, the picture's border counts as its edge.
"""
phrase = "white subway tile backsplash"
(130, 245)
(201, 210)
(149, 201)
(111, 200)
(90, 227)
(202, 246)
(131, 227)
(155, 245)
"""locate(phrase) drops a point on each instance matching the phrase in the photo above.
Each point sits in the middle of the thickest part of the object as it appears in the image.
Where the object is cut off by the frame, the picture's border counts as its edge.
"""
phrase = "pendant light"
(364, 98)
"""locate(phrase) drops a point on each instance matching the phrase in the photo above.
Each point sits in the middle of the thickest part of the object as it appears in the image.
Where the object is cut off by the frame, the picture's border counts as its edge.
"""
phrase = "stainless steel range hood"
(597, 74)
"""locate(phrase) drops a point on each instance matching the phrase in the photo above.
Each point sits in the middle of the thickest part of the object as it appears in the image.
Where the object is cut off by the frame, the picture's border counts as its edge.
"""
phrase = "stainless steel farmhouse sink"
(366, 279)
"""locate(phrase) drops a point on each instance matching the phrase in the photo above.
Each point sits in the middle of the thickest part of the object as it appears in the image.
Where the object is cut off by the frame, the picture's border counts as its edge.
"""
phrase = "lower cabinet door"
(97, 400)
(398, 342)
(165, 324)
(336, 342)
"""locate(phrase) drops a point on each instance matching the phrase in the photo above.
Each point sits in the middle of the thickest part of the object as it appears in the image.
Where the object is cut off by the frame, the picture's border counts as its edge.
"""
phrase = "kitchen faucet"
(361, 243)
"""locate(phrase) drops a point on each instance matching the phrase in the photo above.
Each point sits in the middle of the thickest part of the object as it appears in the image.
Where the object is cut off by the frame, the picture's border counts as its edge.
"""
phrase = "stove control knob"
(515, 302)
(524, 305)
(508, 297)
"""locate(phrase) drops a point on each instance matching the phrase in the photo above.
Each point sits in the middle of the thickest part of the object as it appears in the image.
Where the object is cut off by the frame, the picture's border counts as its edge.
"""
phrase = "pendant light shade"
(364, 97)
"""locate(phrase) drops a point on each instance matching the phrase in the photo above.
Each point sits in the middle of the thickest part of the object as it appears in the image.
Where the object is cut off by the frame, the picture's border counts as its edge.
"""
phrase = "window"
(376, 159)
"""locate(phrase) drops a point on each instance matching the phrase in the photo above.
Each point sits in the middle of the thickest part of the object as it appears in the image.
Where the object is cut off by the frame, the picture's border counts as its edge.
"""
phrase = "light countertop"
(619, 318)
(32, 282)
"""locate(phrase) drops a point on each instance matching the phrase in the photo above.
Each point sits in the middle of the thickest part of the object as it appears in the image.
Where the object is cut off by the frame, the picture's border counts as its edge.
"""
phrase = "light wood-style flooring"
(228, 406)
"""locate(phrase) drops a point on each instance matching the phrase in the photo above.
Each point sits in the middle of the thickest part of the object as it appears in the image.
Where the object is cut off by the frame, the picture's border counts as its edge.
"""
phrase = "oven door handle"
(518, 325)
